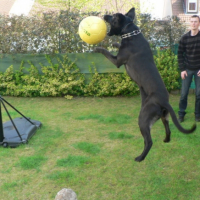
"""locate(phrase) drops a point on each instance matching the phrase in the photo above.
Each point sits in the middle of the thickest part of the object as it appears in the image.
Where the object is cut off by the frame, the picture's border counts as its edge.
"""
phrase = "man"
(189, 64)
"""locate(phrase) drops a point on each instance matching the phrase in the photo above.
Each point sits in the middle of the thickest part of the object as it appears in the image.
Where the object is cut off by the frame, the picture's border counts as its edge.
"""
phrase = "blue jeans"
(185, 90)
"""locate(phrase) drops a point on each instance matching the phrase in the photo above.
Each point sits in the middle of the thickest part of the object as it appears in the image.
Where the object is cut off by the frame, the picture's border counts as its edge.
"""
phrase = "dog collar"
(136, 32)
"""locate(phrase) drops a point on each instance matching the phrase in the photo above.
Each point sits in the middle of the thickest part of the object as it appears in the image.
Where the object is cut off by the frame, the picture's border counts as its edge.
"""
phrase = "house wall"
(21, 7)
(158, 9)
(178, 10)
(5, 6)
(15, 7)
(167, 8)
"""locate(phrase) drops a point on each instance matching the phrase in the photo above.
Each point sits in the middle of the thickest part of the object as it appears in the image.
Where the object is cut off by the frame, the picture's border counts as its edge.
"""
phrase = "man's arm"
(181, 55)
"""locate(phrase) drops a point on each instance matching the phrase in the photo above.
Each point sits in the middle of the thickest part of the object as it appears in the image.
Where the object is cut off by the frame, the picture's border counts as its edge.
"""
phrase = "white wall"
(158, 9)
(21, 7)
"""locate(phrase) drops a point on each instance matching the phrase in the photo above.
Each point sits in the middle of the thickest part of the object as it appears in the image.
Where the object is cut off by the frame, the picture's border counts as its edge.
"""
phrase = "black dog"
(135, 54)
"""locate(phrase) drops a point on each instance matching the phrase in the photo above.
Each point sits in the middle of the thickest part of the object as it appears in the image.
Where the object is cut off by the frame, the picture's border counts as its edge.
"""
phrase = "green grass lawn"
(89, 145)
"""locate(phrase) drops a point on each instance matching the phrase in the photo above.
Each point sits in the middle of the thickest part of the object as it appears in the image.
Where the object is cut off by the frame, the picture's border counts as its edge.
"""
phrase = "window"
(192, 6)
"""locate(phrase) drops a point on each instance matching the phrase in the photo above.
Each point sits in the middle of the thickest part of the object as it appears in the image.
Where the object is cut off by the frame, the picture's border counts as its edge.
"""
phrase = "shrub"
(55, 32)
(57, 80)
(111, 84)
(65, 79)
(167, 64)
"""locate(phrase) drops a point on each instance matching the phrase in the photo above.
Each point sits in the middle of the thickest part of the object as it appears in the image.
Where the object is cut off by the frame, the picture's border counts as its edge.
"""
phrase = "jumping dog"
(135, 54)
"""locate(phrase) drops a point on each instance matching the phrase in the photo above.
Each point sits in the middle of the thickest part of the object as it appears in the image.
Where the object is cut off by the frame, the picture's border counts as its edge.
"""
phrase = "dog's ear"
(108, 18)
(131, 13)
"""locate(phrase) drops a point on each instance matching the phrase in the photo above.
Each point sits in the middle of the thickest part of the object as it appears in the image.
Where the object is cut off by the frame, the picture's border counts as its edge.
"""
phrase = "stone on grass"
(66, 194)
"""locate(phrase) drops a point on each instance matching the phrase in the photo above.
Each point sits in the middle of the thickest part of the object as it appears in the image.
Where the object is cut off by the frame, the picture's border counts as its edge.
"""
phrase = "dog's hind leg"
(148, 115)
(165, 121)
(145, 131)
(143, 96)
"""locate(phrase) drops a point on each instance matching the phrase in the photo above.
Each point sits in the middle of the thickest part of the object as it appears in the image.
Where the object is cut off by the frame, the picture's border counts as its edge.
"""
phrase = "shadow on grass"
(119, 135)
(87, 147)
(72, 161)
(31, 162)
(59, 176)
(116, 119)
(14, 184)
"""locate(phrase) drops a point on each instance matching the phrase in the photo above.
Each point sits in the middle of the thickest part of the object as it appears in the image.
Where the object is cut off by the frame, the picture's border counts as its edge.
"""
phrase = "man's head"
(194, 22)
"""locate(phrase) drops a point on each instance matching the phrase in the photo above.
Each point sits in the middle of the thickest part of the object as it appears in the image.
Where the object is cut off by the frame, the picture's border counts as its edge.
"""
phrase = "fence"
(82, 60)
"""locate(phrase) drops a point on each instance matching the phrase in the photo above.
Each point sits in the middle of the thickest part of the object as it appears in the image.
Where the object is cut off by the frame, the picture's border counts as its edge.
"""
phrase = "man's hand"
(184, 74)
(198, 73)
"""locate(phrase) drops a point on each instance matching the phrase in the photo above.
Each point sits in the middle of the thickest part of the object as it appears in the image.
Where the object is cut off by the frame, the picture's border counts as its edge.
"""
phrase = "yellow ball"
(92, 29)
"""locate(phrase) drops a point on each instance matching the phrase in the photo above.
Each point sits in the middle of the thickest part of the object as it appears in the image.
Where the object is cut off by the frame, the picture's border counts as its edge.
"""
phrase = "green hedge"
(56, 32)
(65, 79)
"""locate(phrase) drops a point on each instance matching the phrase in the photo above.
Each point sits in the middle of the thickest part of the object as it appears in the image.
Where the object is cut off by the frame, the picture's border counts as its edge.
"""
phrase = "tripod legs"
(11, 119)
(16, 131)
(1, 126)
(3, 100)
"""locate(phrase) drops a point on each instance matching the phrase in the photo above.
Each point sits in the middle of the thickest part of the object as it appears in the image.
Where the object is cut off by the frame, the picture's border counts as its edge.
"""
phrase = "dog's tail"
(176, 122)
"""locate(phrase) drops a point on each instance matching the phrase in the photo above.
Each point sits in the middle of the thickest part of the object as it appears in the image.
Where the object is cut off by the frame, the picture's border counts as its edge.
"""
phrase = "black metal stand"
(12, 138)
(1, 126)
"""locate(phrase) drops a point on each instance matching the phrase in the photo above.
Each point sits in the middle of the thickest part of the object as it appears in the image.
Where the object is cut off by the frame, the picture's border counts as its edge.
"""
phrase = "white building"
(158, 9)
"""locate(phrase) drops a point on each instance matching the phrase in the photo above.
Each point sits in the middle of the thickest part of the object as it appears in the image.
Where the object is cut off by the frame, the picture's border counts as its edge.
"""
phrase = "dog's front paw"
(116, 45)
(98, 50)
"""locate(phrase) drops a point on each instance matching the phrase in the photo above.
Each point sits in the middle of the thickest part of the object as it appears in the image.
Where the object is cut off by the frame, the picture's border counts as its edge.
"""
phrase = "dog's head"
(118, 21)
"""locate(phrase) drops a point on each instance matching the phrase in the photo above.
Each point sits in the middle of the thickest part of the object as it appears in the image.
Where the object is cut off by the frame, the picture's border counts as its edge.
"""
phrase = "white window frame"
(196, 6)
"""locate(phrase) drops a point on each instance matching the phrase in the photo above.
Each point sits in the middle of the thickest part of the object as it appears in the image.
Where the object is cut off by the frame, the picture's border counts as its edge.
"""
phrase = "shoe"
(181, 119)
(197, 119)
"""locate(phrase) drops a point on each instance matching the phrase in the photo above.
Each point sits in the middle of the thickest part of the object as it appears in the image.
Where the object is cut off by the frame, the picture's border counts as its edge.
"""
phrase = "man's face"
(194, 23)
